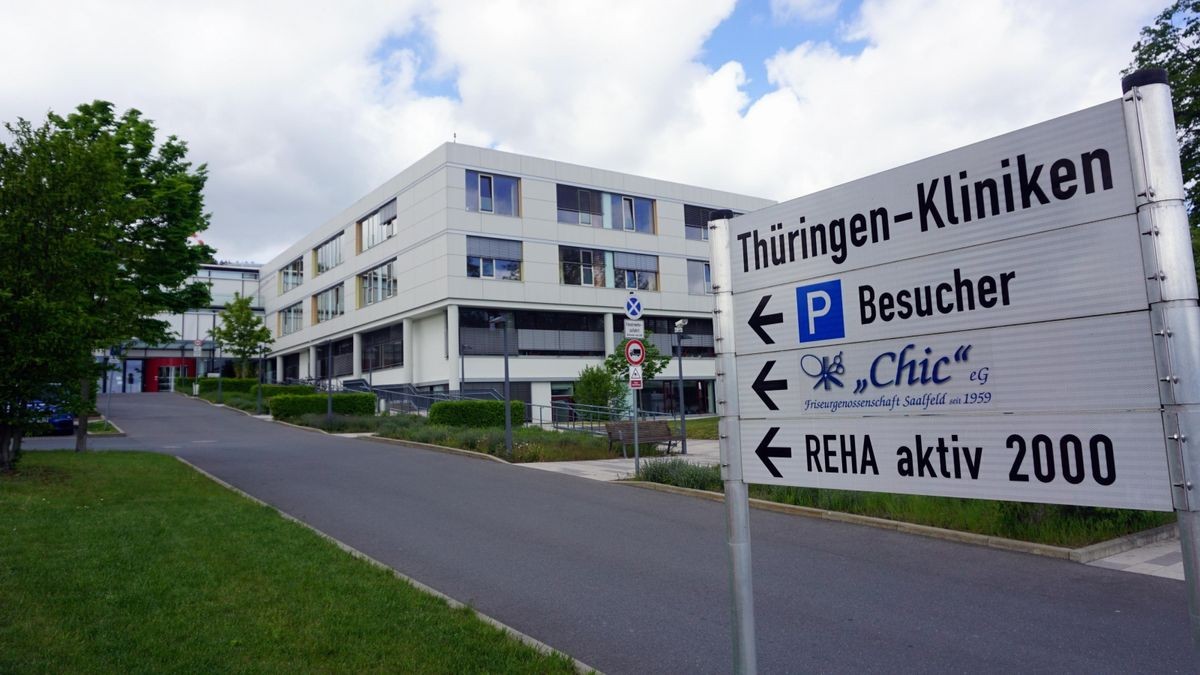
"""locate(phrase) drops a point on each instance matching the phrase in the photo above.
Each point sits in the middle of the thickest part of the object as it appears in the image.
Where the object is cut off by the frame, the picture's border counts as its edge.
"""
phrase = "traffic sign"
(633, 308)
(635, 329)
(942, 327)
(635, 352)
(635, 377)
(196, 344)
(635, 373)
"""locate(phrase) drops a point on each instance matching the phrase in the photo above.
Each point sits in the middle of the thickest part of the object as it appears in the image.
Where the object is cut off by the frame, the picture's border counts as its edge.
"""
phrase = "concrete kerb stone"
(438, 448)
(528, 640)
(1045, 550)
(119, 433)
(1127, 543)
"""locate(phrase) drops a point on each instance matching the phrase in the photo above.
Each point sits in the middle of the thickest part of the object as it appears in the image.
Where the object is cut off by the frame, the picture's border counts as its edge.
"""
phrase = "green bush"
(270, 390)
(340, 424)
(294, 405)
(474, 413)
(209, 384)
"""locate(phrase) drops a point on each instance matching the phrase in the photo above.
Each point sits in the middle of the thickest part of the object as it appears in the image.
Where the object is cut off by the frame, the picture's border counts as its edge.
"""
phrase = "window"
(378, 226)
(291, 319)
(580, 266)
(636, 270)
(377, 284)
(695, 221)
(493, 258)
(329, 304)
(292, 275)
(530, 333)
(493, 193)
(383, 348)
(593, 208)
(699, 277)
(328, 255)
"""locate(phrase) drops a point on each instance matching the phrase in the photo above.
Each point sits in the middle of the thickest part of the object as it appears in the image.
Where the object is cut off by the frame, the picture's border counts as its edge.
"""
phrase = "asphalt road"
(635, 581)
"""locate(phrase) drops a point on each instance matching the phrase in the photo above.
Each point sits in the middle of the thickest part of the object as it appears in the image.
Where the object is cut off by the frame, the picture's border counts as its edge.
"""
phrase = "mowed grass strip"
(113, 562)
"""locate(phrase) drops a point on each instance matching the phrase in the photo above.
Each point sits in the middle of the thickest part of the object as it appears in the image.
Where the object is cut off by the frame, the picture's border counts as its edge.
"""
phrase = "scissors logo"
(824, 369)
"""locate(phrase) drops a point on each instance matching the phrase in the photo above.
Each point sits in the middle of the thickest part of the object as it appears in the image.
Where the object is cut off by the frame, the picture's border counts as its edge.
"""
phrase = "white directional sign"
(975, 324)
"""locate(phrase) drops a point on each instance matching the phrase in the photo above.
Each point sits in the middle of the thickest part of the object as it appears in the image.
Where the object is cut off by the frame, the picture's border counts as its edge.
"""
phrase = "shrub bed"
(209, 384)
(269, 390)
(1070, 526)
(474, 413)
(293, 405)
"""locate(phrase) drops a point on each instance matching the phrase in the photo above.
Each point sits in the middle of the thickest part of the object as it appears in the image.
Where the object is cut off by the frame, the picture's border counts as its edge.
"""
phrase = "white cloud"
(807, 10)
(298, 111)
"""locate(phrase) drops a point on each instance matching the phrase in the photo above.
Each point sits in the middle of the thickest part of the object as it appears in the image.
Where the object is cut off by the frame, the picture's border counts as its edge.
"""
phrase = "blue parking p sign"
(819, 307)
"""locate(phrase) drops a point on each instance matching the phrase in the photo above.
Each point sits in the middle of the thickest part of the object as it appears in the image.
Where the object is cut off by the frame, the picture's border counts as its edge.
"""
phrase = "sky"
(299, 108)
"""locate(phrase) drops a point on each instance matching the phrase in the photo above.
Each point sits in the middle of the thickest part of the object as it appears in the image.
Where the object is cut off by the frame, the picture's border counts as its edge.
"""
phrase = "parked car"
(58, 420)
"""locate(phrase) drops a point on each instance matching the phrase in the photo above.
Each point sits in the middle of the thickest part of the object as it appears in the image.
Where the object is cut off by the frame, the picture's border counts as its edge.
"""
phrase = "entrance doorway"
(167, 376)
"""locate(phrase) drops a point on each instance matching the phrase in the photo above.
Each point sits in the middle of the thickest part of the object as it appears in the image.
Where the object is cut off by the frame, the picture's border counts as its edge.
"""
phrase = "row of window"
(501, 259)
(501, 195)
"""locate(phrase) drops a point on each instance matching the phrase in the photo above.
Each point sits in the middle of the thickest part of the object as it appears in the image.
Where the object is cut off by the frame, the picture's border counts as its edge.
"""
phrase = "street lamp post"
(679, 357)
(508, 444)
(329, 382)
(258, 400)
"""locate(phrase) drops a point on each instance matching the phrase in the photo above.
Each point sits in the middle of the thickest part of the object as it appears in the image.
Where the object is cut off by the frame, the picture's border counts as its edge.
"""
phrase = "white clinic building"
(407, 285)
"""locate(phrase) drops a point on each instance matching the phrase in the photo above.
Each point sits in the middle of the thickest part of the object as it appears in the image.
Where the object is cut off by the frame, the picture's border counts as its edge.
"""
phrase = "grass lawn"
(132, 562)
(101, 427)
(1070, 526)
(703, 428)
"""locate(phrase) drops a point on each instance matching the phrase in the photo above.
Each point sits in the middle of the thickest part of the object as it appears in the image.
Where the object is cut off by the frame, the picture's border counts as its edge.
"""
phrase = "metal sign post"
(1171, 285)
(635, 355)
(737, 496)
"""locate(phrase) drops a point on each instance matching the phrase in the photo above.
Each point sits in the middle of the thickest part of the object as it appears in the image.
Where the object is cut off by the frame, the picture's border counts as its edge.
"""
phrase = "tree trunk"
(7, 460)
(81, 418)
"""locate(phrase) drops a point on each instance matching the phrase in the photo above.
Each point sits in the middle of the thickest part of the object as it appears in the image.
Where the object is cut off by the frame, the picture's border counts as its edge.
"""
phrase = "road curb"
(438, 448)
(1045, 550)
(1127, 543)
(528, 640)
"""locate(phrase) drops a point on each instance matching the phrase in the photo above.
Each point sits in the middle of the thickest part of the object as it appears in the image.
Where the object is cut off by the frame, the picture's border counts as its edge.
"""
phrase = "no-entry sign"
(635, 352)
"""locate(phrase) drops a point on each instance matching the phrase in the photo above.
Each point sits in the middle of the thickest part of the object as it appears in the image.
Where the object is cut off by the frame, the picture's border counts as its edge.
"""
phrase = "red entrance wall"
(150, 370)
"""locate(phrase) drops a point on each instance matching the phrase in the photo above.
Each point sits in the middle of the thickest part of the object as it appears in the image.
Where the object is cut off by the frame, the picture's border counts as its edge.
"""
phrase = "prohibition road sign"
(635, 352)
(633, 308)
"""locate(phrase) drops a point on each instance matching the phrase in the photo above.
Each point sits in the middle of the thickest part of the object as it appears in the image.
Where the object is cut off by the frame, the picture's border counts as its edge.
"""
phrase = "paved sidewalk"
(699, 452)
(1162, 559)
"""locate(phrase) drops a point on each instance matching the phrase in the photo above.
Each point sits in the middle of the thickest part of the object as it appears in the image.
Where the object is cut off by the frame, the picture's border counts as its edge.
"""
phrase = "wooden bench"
(648, 432)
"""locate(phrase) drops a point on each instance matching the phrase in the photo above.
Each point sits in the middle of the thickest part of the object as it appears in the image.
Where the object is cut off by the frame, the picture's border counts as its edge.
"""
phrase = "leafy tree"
(618, 367)
(241, 332)
(1173, 42)
(95, 220)
(598, 387)
(654, 364)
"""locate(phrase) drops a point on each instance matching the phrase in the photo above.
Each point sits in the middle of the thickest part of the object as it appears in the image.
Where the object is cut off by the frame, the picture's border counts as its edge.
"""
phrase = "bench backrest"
(624, 430)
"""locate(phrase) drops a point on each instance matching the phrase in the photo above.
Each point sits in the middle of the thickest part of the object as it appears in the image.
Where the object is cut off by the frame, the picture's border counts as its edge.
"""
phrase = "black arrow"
(765, 452)
(758, 320)
(762, 385)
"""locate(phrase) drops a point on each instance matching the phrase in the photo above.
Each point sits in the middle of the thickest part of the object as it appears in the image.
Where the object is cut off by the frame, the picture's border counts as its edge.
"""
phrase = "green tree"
(95, 220)
(654, 364)
(241, 332)
(618, 367)
(598, 387)
(1173, 42)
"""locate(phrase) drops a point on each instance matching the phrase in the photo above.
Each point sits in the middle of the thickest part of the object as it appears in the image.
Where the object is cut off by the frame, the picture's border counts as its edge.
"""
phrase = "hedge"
(471, 413)
(293, 405)
(272, 390)
(209, 384)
